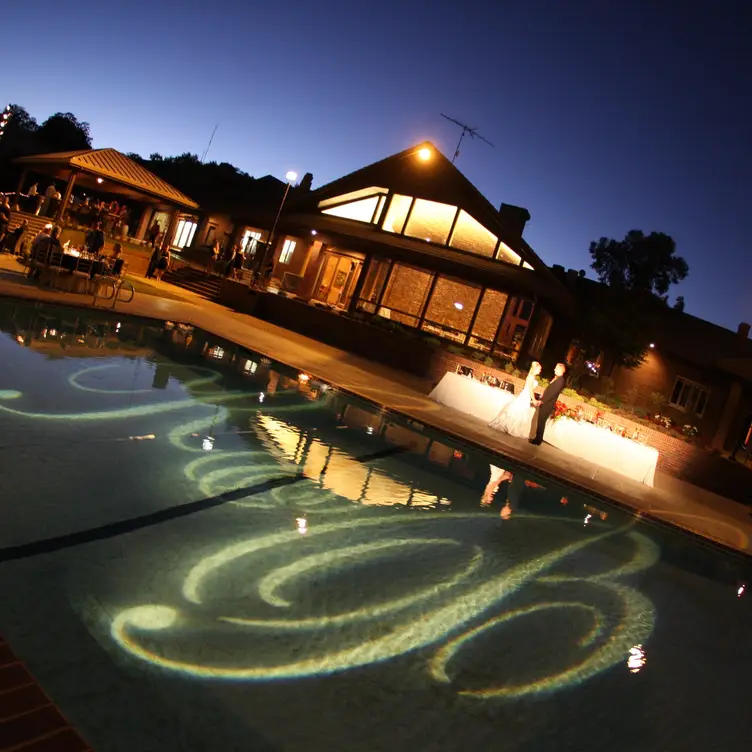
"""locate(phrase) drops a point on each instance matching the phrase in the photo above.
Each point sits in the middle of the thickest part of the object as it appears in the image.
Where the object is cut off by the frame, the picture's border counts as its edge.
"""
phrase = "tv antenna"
(466, 130)
(206, 151)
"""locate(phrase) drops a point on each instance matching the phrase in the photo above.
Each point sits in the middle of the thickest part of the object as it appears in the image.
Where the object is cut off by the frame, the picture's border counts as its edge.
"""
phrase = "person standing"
(545, 405)
(516, 417)
(95, 240)
(745, 437)
(4, 219)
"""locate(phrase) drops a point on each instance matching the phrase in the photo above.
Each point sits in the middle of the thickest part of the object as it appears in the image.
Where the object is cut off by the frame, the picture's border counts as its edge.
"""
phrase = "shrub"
(455, 349)
(433, 341)
(657, 401)
(490, 362)
(509, 367)
(569, 392)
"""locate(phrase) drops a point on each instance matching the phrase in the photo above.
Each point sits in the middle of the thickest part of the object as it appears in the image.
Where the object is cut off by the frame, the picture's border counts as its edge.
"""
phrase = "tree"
(679, 304)
(642, 263)
(63, 132)
(619, 316)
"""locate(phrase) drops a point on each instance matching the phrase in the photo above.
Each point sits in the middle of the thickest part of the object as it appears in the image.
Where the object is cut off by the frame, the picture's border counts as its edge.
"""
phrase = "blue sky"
(606, 117)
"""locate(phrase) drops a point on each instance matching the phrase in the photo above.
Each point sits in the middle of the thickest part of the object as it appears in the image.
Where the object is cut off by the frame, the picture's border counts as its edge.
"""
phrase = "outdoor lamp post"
(290, 177)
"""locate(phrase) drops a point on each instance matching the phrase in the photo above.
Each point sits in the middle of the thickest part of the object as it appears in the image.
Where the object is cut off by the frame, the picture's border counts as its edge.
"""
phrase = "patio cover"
(112, 167)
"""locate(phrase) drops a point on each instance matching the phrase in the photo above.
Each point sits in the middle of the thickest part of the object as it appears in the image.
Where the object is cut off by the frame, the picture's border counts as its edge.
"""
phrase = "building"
(411, 241)
(696, 373)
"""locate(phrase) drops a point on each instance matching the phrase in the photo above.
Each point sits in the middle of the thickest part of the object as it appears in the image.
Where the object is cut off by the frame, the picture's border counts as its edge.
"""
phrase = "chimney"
(514, 218)
(743, 331)
(306, 182)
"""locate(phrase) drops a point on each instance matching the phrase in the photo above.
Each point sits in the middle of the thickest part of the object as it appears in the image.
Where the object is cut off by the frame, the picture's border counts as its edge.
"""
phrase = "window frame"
(287, 251)
(692, 402)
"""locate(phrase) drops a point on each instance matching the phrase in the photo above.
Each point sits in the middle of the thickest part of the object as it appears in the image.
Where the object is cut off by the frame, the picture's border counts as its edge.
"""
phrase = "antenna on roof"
(466, 129)
(208, 146)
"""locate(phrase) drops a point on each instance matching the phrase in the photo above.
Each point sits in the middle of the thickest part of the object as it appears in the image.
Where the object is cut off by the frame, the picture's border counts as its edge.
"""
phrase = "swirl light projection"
(279, 638)
(273, 606)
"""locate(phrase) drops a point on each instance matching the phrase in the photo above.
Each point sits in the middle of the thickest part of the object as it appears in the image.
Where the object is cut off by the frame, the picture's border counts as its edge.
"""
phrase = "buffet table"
(470, 396)
(579, 439)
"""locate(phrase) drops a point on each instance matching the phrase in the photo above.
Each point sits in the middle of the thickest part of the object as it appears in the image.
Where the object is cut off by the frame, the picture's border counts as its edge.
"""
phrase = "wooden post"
(60, 216)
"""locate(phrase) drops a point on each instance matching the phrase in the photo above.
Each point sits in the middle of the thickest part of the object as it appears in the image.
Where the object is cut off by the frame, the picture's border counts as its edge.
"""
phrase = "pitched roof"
(434, 179)
(111, 164)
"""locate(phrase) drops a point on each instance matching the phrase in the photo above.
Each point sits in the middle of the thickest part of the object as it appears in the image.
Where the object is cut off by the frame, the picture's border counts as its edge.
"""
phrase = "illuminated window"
(379, 209)
(406, 292)
(431, 221)
(514, 327)
(470, 235)
(184, 233)
(373, 284)
(450, 309)
(217, 352)
(250, 366)
(525, 265)
(540, 336)
(505, 253)
(249, 241)
(354, 196)
(288, 248)
(487, 321)
(689, 397)
(396, 215)
(362, 211)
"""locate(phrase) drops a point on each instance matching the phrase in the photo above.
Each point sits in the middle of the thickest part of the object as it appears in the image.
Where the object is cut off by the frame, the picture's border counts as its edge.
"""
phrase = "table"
(470, 396)
(604, 448)
(579, 439)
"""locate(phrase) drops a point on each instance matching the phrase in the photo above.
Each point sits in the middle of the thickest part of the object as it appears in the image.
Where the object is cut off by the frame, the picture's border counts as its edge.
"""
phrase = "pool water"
(202, 549)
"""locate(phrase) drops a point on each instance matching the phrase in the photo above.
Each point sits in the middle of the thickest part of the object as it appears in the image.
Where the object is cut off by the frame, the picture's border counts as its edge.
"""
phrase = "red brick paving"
(29, 722)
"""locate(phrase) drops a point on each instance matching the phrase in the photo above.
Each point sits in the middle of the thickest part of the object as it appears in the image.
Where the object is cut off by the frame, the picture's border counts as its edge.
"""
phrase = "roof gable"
(423, 172)
(110, 163)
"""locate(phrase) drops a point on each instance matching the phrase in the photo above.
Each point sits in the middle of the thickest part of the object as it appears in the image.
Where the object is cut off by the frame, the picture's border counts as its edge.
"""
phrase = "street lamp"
(290, 177)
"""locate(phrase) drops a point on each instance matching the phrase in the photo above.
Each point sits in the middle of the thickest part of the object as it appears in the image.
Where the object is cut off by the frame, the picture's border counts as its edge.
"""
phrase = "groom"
(545, 405)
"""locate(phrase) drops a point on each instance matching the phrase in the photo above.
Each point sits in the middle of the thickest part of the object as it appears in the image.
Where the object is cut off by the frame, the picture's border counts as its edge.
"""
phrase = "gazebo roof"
(110, 164)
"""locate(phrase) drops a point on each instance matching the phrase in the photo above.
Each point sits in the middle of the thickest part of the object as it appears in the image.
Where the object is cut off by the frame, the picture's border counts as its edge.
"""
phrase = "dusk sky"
(605, 116)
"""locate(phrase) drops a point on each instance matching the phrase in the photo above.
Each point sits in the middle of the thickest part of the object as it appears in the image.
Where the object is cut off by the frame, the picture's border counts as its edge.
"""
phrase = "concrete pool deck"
(671, 501)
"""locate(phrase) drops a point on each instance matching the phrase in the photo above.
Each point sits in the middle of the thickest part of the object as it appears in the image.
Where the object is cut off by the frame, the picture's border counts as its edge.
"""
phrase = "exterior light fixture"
(424, 154)
(99, 180)
(303, 377)
(291, 176)
(313, 232)
(459, 306)
(652, 345)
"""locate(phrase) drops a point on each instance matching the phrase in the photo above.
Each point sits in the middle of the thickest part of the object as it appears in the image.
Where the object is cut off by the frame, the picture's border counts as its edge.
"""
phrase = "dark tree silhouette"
(679, 304)
(642, 263)
(619, 317)
(63, 132)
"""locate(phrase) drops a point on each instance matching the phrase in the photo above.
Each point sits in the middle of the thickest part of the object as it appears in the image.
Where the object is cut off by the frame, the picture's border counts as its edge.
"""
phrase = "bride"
(516, 418)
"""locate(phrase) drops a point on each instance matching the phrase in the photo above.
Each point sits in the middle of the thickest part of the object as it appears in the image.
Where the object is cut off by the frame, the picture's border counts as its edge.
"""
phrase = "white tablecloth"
(597, 445)
(604, 448)
(470, 396)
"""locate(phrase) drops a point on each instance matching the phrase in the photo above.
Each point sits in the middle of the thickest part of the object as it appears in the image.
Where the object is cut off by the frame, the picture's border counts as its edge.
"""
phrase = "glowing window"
(488, 318)
(353, 196)
(250, 366)
(184, 233)
(249, 241)
(288, 248)
(450, 309)
(406, 293)
(379, 208)
(470, 235)
(396, 215)
(431, 221)
(505, 253)
(362, 211)
(525, 265)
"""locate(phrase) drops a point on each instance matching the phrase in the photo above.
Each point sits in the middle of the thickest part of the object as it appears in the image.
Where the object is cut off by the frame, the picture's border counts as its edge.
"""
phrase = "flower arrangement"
(690, 431)
(663, 420)
(563, 411)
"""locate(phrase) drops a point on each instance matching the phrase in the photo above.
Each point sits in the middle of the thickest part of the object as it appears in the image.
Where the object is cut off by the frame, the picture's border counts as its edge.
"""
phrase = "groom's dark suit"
(546, 407)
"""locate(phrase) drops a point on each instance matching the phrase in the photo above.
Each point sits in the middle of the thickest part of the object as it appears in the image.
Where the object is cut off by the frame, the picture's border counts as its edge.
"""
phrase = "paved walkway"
(671, 501)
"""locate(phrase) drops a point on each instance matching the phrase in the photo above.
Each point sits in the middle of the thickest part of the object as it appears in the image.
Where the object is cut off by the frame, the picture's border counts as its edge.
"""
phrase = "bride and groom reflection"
(524, 417)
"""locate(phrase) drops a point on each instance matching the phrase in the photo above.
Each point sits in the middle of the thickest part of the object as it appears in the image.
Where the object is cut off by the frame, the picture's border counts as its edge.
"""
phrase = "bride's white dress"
(516, 418)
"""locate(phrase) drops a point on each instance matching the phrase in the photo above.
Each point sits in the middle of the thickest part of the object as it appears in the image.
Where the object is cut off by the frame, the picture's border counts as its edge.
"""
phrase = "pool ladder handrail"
(115, 286)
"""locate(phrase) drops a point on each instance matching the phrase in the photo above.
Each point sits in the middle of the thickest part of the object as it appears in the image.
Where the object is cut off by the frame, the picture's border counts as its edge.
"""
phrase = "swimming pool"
(203, 549)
